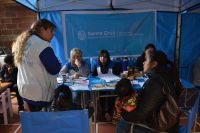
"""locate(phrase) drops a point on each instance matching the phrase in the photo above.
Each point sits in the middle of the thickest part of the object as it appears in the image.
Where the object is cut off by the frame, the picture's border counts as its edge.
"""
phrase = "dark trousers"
(34, 108)
(77, 96)
(139, 129)
(107, 103)
(14, 88)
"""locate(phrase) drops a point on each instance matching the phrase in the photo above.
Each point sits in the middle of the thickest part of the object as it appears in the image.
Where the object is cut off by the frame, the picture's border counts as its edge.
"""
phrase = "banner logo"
(82, 35)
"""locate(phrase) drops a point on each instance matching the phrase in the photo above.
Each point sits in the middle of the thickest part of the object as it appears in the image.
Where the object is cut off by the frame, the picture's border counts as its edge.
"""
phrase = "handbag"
(168, 114)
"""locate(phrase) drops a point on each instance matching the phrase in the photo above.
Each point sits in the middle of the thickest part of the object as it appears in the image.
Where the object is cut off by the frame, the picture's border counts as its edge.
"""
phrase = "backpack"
(168, 114)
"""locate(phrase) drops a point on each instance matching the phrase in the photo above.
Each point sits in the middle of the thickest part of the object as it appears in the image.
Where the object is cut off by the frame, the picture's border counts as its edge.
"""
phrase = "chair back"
(186, 72)
(73, 121)
(192, 116)
(5, 104)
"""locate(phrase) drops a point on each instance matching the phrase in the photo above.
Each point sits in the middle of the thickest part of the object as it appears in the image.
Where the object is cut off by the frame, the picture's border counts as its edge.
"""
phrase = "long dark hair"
(163, 63)
(102, 53)
(148, 46)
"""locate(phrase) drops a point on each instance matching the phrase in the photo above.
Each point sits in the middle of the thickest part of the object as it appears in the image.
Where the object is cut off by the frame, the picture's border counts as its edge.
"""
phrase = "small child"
(63, 99)
(126, 100)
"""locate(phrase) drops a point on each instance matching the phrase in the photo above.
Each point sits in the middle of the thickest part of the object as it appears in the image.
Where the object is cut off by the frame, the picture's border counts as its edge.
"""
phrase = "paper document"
(107, 86)
(81, 81)
(59, 80)
(141, 83)
(134, 82)
(79, 87)
(109, 77)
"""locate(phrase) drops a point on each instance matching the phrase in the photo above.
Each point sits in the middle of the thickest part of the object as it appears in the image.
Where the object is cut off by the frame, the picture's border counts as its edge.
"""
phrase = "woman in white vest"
(104, 65)
(37, 64)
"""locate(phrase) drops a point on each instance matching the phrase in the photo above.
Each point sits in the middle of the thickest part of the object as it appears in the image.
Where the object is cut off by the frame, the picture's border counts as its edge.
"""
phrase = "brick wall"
(14, 19)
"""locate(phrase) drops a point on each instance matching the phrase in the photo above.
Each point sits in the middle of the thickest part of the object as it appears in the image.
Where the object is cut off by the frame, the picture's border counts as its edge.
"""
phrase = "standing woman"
(159, 70)
(37, 64)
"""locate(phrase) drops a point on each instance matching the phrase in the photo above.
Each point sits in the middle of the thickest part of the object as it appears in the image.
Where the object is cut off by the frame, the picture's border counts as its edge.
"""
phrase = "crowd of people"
(33, 67)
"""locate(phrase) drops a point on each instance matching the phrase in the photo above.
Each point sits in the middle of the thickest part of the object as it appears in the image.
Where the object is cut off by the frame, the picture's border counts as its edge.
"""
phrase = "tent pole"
(38, 14)
(178, 37)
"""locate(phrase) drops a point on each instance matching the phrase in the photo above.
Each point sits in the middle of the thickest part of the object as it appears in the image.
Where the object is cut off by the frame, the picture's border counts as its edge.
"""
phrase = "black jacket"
(151, 97)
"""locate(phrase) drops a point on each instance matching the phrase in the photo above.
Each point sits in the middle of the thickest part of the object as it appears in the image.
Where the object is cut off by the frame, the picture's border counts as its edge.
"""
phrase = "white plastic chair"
(6, 105)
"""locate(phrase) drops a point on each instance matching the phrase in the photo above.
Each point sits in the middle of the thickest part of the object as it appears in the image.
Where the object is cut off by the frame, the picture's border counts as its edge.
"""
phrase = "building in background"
(14, 19)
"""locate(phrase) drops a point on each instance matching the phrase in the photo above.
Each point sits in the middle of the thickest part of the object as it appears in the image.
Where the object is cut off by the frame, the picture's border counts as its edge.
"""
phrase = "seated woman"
(141, 59)
(76, 68)
(160, 71)
(105, 66)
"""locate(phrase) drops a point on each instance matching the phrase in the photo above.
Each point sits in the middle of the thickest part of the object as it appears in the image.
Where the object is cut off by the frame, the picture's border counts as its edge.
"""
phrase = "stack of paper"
(109, 77)
(79, 87)
(59, 80)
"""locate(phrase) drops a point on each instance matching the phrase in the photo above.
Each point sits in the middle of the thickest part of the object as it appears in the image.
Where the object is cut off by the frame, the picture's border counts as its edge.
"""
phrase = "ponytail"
(20, 42)
(19, 45)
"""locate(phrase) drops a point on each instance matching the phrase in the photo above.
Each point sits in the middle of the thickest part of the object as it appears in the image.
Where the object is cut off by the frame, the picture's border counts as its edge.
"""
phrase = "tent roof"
(159, 5)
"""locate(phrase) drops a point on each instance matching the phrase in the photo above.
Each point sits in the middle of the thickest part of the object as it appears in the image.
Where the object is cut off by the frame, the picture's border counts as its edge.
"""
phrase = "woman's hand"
(78, 63)
(76, 75)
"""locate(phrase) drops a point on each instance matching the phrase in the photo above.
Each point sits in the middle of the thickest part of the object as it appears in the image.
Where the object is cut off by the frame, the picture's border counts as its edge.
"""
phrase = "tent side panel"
(57, 42)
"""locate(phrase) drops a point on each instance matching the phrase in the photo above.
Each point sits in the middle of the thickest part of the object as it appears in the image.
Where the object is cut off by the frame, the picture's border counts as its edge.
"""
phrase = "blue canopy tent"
(173, 25)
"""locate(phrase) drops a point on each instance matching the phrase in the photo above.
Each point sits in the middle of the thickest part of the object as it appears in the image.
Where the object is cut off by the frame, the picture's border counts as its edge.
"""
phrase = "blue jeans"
(123, 126)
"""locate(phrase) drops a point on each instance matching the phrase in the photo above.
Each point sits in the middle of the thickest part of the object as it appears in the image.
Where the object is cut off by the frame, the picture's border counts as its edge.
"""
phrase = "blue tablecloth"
(95, 80)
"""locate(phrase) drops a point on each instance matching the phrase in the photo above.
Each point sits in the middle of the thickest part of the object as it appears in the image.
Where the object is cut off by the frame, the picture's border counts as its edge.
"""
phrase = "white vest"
(34, 82)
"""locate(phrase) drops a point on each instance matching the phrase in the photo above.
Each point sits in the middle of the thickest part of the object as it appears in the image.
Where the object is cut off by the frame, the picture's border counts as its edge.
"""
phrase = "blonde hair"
(18, 46)
(20, 42)
(73, 52)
